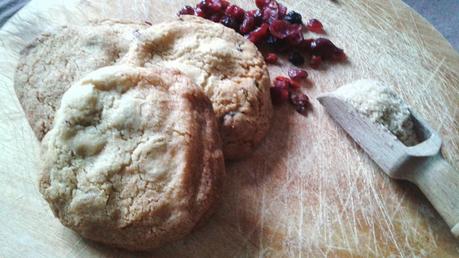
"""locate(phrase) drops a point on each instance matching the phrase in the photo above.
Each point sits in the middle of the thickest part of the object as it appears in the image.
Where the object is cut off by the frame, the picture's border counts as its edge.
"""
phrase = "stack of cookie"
(135, 121)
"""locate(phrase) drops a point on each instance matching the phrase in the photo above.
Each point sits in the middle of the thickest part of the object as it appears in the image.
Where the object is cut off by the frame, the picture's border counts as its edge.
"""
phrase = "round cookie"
(134, 158)
(55, 60)
(229, 69)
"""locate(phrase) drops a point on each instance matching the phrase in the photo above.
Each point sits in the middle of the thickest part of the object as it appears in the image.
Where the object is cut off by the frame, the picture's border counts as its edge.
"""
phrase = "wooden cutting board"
(308, 190)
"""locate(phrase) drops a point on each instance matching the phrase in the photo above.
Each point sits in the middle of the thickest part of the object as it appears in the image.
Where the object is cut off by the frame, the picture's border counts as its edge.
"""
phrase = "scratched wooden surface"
(307, 191)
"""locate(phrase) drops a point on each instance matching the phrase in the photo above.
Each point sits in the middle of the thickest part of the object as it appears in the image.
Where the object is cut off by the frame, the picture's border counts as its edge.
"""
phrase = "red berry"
(262, 3)
(211, 7)
(187, 10)
(315, 62)
(279, 29)
(271, 58)
(235, 12)
(315, 25)
(301, 102)
(273, 11)
(325, 49)
(199, 12)
(281, 81)
(295, 34)
(248, 24)
(280, 90)
(297, 74)
(284, 82)
(282, 29)
(259, 34)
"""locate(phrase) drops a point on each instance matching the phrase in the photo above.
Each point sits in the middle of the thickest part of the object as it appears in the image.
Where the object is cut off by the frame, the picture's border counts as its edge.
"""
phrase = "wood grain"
(308, 190)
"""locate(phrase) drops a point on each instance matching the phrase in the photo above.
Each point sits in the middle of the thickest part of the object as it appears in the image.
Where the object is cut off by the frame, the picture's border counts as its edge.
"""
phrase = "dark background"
(443, 14)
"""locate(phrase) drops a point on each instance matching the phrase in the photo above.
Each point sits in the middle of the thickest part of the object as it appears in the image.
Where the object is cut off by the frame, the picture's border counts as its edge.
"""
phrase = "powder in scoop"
(382, 105)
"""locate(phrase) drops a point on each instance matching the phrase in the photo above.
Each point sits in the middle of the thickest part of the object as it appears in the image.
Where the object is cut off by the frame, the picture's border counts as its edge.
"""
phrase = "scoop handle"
(439, 182)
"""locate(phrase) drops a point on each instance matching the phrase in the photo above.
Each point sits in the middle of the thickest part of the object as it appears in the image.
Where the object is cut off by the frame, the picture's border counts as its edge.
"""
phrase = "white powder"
(381, 105)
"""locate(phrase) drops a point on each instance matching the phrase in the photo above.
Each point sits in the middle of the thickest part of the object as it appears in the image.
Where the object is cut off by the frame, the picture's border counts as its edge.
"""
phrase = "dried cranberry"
(271, 58)
(283, 30)
(262, 3)
(259, 34)
(248, 24)
(187, 10)
(297, 74)
(272, 12)
(295, 34)
(279, 29)
(301, 102)
(212, 6)
(325, 49)
(281, 81)
(294, 18)
(315, 62)
(199, 12)
(296, 58)
(315, 25)
(279, 91)
(235, 12)
(284, 82)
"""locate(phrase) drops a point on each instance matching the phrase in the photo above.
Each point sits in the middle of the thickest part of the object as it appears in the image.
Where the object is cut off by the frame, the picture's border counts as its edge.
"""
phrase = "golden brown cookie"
(134, 159)
(229, 69)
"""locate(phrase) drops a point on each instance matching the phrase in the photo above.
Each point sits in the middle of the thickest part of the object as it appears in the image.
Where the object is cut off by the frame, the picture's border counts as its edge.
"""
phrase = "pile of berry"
(271, 27)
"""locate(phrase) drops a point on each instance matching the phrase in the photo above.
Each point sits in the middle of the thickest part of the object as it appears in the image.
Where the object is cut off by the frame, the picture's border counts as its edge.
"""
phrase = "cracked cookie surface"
(229, 69)
(134, 158)
(49, 65)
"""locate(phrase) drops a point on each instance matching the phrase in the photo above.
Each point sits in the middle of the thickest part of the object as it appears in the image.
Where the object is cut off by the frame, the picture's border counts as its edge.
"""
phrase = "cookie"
(49, 65)
(134, 158)
(229, 69)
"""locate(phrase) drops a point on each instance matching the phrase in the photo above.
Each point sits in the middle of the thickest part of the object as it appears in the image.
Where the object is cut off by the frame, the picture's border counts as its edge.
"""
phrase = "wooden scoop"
(421, 164)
